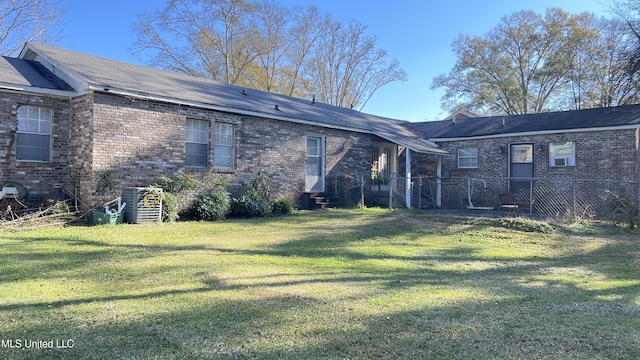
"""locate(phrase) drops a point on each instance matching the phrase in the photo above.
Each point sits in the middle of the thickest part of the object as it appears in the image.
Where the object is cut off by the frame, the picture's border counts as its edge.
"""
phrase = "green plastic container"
(99, 217)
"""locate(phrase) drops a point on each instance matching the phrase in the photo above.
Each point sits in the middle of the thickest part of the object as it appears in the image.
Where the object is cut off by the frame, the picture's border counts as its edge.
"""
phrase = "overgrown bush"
(281, 206)
(254, 201)
(250, 204)
(169, 207)
(176, 191)
(624, 210)
(212, 204)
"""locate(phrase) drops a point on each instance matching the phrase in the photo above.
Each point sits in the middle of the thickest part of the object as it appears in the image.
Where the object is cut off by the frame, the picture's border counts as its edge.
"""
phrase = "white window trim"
(569, 160)
(205, 142)
(49, 134)
(231, 146)
(468, 157)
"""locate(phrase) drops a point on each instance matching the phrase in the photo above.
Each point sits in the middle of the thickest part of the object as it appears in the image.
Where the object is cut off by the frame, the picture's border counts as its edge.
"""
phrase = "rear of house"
(555, 163)
(110, 125)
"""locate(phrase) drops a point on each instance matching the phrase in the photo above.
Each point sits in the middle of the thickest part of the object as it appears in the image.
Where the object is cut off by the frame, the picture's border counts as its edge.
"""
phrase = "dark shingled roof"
(103, 73)
(543, 122)
(20, 72)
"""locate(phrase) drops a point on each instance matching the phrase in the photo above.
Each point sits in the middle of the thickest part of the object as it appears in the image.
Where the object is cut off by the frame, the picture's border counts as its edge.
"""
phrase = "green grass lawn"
(339, 284)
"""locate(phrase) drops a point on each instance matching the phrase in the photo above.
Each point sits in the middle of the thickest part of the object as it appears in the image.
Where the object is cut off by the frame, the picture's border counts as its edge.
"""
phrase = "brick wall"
(37, 177)
(136, 141)
(600, 155)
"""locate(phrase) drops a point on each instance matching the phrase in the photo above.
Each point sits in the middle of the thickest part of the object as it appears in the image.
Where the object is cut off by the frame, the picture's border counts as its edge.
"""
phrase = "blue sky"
(416, 32)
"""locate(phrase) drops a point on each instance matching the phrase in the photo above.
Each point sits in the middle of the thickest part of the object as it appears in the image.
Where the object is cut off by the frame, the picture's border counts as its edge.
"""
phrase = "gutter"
(38, 90)
(541, 132)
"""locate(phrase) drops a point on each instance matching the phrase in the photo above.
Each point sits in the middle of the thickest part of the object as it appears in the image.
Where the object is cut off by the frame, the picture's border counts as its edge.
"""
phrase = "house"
(547, 157)
(87, 124)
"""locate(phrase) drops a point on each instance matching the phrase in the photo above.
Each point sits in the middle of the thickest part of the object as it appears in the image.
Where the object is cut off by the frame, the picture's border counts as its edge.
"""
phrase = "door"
(314, 181)
(520, 168)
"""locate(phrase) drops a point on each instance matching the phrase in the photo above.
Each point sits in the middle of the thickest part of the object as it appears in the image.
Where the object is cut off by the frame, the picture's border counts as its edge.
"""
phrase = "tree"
(22, 21)
(599, 75)
(347, 69)
(531, 63)
(262, 45)
(513, 69)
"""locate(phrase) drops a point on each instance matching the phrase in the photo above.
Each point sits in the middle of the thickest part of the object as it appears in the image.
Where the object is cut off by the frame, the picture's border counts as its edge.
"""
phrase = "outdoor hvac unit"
(143, 205)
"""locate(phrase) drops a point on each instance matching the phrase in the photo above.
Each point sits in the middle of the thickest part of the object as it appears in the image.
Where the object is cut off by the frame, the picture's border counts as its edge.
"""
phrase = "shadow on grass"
(531, 314)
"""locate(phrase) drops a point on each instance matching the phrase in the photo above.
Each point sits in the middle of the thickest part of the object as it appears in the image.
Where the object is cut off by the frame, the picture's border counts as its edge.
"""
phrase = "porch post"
(407, 169)
(438, 181)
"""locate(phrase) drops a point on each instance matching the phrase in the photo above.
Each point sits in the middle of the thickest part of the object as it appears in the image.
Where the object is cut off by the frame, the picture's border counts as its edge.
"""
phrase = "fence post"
(530, 196)
(362, 191)
(391, 183)
(573, 199)
(419, 192)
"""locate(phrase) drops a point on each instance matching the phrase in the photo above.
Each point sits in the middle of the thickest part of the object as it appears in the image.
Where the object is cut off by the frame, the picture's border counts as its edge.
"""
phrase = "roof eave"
(540, 132)
(37, 90)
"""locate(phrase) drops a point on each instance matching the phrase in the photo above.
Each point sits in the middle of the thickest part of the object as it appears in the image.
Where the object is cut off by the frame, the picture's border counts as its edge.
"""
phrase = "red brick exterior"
(600, 155)
(137, 141)
(36, 177)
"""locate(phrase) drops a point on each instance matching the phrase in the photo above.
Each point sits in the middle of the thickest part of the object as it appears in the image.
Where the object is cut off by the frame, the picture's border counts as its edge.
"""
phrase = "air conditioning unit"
(560, 162)
(144, 205)
(563, 161)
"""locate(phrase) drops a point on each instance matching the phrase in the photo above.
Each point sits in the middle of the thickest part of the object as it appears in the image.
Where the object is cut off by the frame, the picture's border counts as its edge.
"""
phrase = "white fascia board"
(435, 152)
(543, 132)
(37, 90)
(76, 82)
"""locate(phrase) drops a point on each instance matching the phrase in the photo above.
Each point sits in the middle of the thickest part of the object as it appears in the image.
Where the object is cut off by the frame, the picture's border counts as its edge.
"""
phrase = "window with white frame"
(33, 134)
(224, 146)
(197, 143)
(467, 158)
(562, 153)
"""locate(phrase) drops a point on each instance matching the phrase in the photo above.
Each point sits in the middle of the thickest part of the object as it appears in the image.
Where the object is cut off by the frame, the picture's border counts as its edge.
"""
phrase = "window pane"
(562, 149)
(224, 146)
(468, 157)
(522, 154)
(468, 162)
(32, 147)
(33, 138)
(312, 147)
(196, 155)
(562, 154)
(224, 134)
(197, 131)
(468, 152)
(223, 157)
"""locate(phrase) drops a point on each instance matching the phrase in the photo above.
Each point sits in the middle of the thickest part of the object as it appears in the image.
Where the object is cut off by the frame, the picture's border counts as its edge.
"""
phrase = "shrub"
(624, 210)
(212, 204)
(251, 204)
(179, 183)
(281, 206)
(177, 197)
(169, 207)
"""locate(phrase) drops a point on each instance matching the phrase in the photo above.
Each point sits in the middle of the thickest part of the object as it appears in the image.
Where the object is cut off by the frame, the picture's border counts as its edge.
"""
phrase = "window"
(33, 136)
(562, 153)
(522, 154)
(468, 158)
(223, 146)
(197, 143)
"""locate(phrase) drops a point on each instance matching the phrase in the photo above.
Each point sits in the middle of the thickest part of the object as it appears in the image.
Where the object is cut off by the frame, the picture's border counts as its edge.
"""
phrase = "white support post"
(438, 181)
(407, 158)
